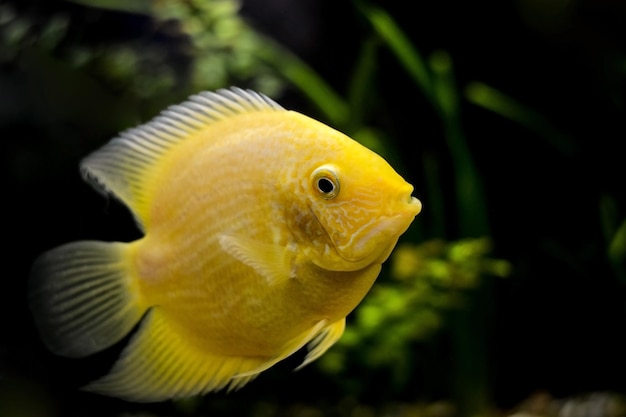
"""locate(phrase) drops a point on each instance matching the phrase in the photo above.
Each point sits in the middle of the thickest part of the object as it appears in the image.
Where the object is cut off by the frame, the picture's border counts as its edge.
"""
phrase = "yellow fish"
(262, 229)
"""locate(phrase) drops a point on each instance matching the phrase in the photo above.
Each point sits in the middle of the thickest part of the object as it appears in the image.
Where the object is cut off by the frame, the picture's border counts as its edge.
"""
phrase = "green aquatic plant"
(614, 229)
(426, 281)
(209, 47)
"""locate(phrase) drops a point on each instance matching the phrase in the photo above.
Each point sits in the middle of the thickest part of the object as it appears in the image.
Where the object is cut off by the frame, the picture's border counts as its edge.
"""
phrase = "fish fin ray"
(121, 166)
(323, 341)
(160, 364)
(82, 297)
(290, 347)
(273, 262)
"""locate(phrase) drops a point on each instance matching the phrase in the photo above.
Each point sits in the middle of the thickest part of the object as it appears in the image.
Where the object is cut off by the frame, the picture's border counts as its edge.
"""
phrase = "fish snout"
(406, 202)
(414, 205)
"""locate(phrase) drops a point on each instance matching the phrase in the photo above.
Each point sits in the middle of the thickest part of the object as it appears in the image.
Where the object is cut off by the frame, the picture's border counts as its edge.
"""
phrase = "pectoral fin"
(273, 262)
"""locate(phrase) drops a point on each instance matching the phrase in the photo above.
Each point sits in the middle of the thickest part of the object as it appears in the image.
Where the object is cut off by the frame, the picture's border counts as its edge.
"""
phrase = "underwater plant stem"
(399, 44)
(470, 371)
(470, 198)
(361, 81)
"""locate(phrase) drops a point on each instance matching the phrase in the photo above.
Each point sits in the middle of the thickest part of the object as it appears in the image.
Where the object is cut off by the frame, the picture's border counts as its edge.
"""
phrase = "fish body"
(263, 229)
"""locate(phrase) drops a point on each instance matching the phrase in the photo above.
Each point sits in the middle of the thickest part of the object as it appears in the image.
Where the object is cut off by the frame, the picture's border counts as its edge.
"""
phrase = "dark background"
(560, 317)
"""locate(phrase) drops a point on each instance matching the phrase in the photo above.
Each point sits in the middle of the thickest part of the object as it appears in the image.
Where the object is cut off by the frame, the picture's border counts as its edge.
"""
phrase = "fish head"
(361, 205)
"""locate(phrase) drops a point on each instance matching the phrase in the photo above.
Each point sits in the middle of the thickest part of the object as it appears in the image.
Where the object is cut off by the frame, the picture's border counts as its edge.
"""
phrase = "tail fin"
(83, 297)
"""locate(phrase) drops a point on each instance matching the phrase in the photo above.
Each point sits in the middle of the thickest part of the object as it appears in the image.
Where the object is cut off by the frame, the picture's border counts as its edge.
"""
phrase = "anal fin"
(319, 339)
(160, 364)
(323, 341)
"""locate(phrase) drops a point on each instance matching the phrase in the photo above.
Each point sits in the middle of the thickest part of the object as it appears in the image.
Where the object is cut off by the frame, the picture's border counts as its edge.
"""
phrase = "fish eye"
(326, 182)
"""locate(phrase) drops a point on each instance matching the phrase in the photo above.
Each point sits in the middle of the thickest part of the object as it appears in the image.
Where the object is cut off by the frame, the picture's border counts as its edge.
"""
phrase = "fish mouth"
(414, 205)
(350, 249)
(375, 240)
(369, 242)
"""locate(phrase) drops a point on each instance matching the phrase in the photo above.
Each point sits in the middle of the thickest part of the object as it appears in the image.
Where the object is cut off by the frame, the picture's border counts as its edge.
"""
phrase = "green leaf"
(491, 99)
(617, 251)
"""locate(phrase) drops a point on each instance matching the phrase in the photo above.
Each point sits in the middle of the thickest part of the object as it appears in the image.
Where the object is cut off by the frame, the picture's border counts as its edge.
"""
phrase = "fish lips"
(374, 241)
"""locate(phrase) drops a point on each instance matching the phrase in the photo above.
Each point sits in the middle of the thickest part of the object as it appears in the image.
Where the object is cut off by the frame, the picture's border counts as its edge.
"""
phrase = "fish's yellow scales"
(262, 229)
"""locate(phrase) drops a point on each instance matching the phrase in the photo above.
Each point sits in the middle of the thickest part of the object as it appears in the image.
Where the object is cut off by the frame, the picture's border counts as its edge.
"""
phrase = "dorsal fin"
(119, 166)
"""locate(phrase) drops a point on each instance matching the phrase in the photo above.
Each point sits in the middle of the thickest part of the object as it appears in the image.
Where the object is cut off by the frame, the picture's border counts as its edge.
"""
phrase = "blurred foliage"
(207, 46)
(614, 229)
(426, 280)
